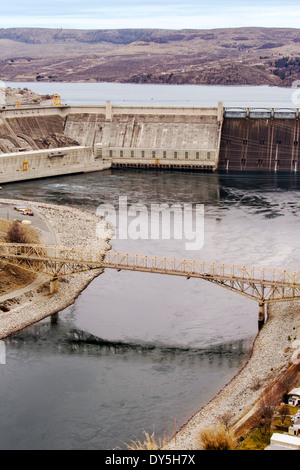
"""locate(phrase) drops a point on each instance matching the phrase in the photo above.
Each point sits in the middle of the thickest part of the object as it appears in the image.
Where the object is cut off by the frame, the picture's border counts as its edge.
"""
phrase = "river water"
(153, 349)
(125, 94)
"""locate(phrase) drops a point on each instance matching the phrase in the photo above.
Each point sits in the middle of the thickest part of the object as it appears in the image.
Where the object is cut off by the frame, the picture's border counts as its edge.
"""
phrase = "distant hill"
(235, 56)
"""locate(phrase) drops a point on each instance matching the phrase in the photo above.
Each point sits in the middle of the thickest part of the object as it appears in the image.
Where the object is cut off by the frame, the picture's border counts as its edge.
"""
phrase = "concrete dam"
(43, 141)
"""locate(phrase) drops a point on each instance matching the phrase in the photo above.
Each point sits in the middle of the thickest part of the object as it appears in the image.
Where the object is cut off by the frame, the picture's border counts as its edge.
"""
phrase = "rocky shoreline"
(25, 96)
(73, 227)
(276, 348)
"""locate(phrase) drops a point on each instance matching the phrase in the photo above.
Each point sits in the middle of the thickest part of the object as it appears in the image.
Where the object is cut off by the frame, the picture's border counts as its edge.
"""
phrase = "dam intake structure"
(44, 141)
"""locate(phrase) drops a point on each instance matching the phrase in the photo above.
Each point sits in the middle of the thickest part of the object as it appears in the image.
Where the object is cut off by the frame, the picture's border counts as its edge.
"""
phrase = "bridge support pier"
(54, 319)
(53, 285)
(261, 314)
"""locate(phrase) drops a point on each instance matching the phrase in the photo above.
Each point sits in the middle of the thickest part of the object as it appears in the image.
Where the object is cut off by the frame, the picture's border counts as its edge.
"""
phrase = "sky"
(165, 14)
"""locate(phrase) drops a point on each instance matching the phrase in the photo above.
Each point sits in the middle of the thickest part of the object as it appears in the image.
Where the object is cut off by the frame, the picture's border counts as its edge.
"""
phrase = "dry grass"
(4, 227)
(216, 438)
(13, 278)
(150, 443)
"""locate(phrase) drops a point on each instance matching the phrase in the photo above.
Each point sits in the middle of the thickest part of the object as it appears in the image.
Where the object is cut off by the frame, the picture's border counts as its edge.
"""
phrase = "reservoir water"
(154, 348)
(126, 94)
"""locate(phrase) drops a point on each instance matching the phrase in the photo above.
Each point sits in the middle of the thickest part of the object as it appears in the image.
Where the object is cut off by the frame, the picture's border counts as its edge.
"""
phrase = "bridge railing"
(56, 253)
(149, 263)
(205, 269)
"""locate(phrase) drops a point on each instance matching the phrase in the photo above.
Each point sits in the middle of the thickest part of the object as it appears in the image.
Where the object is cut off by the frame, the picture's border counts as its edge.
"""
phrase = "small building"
(294, 397)
(296, 417)
(284, 442)
(294, 430)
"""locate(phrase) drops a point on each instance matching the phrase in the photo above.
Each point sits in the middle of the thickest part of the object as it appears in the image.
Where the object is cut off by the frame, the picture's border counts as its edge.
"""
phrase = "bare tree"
(267, 410)
(256, 384)
(226, 419)
(283, 412)
(286, 384)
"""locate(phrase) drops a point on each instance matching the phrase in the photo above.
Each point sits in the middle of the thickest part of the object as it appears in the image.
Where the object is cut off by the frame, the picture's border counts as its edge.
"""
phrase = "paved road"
(47, 234)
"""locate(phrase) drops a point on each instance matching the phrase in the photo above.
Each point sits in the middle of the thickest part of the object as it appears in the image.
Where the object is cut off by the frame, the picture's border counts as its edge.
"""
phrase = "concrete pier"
(261, 314)
(53, 285)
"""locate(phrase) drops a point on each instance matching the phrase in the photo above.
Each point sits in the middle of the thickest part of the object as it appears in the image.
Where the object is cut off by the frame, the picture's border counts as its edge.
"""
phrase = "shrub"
(17, 234)
(256, 384)
(226, 418)
(150, 443)
(283, 412)
(217, 438)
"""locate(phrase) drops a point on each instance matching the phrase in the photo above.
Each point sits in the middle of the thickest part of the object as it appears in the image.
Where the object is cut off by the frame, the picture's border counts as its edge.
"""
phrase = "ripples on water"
(138, 350)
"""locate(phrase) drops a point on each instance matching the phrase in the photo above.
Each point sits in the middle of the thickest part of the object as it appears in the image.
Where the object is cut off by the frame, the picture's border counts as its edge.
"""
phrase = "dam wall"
(265, 140)
(150, 137)
(120, 136)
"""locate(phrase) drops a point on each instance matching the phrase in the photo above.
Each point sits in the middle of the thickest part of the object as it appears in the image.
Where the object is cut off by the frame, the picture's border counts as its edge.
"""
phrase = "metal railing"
(258, 283)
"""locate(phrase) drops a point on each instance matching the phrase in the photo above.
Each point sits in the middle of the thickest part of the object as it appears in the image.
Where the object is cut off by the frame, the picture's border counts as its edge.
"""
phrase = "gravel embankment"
(73, 227)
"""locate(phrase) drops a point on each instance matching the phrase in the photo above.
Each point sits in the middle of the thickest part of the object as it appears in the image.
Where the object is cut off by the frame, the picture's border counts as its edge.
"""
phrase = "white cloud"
(176, 16)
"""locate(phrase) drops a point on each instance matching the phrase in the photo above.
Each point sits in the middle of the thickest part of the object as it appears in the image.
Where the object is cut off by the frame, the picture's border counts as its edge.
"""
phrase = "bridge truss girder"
(260, 284)
(261, 293)
(50, 269)
(51, 261)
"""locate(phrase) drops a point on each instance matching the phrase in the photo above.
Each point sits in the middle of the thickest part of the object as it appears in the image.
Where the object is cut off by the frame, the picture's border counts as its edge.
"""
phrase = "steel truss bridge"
(263, 285)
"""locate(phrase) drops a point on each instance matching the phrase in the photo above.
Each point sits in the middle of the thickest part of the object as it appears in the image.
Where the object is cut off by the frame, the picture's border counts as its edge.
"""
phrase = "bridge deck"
(258, 283)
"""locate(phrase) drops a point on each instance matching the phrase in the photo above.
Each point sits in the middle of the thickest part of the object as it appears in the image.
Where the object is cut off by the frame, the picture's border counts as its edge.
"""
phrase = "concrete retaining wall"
(155, 157)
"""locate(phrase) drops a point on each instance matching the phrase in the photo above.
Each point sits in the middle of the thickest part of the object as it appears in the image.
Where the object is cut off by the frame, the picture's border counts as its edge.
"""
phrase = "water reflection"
(74, 341)
(64, 388)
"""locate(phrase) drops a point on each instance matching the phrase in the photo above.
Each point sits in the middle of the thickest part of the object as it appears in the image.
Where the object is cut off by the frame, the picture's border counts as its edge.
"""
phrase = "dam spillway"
(34, 140)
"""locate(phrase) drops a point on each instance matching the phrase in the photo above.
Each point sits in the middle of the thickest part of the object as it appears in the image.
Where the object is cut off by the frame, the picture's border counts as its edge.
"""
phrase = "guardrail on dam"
(92, 138)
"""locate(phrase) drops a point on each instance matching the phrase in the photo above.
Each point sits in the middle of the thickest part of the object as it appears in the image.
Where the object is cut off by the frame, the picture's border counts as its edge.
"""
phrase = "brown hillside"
(237, 56)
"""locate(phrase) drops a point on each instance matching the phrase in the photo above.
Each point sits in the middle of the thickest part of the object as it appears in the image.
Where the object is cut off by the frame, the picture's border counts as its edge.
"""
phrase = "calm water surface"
(153, 349)
(128, 94)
